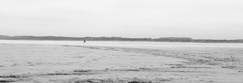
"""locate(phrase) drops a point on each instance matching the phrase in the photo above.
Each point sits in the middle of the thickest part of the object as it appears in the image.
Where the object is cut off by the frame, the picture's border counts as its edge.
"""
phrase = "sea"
(128, 44)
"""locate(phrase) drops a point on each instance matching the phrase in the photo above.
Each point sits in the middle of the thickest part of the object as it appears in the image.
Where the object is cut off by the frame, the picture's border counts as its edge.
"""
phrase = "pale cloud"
(220, 19)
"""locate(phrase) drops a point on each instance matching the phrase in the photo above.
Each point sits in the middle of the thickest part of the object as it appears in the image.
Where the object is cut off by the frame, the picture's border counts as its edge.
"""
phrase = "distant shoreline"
(162, 39)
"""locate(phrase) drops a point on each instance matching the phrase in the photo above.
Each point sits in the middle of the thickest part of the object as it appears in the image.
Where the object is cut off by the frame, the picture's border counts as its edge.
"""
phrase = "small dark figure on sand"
(84, 41)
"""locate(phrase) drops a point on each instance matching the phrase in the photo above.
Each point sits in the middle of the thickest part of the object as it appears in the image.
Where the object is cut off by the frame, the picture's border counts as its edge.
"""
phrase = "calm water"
(128, 44)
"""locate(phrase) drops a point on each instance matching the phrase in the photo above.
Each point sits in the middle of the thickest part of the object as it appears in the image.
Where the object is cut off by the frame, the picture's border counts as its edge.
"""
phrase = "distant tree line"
(162, 39)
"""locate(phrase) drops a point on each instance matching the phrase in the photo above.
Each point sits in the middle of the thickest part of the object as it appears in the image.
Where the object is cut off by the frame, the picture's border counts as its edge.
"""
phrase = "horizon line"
(117, 36)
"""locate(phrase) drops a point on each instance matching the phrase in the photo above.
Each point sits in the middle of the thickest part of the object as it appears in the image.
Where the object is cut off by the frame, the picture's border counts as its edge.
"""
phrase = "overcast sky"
(206, 19)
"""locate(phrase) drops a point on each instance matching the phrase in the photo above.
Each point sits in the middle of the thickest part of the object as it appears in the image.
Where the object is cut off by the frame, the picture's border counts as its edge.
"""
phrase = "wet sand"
(30, 63)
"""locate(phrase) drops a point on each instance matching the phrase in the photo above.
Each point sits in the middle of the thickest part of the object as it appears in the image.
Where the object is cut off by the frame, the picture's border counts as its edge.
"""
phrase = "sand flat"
(68, 63)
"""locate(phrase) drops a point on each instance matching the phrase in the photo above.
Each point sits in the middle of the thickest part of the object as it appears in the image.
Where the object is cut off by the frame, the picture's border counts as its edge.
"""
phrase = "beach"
(50, 63)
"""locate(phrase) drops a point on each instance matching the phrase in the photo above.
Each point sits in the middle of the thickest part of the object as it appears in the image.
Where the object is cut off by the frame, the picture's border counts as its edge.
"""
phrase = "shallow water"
(42, 63)
(152, 45)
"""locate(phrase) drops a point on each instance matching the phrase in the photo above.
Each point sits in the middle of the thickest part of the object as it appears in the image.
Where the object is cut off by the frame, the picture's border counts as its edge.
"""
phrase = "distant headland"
(162, 39)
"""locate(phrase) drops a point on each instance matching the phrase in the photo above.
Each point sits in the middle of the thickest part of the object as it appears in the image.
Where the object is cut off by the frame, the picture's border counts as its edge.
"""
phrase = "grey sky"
(214, 19)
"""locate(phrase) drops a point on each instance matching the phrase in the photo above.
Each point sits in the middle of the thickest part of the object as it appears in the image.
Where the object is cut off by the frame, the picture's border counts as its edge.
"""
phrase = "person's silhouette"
(84, 41)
